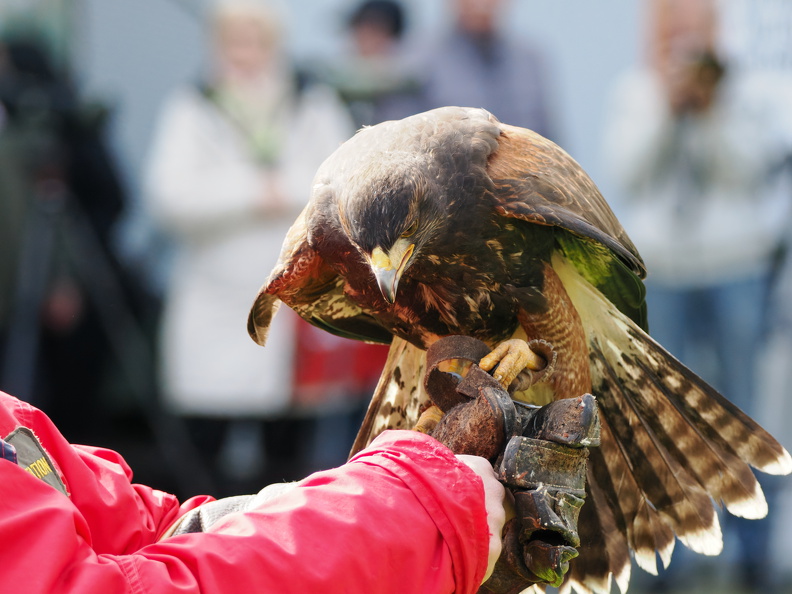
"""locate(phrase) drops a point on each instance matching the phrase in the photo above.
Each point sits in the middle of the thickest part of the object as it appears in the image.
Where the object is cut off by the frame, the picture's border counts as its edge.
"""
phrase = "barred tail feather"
(662, 479)
(671, 444)
(604, 553)
(632, 368)
(697, 424)
(656, 539)
(646, 530)
(710, 456)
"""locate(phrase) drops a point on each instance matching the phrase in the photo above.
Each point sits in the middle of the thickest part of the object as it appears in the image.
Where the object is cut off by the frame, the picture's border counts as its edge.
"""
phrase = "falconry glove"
(539, 453)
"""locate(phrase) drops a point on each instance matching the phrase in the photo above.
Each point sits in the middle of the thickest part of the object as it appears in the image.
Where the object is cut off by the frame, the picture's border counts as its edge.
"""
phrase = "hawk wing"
(538, 182)
(306, 283)
(671, 444)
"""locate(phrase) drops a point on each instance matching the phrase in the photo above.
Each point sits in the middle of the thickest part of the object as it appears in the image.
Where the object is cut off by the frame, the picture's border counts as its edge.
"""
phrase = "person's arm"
(118, 514)
(404, 515)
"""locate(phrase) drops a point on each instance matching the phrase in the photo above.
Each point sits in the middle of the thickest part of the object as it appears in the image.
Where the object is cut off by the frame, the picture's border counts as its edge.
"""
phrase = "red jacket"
(402, 516)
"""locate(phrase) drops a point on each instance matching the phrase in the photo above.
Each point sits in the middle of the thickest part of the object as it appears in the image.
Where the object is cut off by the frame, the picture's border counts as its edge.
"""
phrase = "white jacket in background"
(203, 189)
(738, 215)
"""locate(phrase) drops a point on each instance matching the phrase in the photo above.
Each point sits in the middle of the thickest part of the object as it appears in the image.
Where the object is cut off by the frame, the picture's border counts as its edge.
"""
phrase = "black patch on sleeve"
(32, 457)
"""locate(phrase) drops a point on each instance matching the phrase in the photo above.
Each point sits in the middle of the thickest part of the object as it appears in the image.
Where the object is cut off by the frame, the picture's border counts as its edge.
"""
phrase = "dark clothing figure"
(60, 196)
(489, 70)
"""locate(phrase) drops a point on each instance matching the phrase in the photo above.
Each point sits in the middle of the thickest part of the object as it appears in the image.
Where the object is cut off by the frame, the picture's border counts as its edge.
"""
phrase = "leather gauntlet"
(539, 453)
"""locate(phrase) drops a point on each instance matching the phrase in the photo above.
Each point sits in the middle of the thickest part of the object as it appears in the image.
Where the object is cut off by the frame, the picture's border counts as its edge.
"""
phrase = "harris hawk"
(451, 222)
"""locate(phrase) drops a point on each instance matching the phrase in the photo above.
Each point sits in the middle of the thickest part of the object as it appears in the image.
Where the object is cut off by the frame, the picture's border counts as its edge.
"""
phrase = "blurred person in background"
(698, 148)
(434, 519)
(60, 198)
(229, 171)
(477, 64)
(377, 76)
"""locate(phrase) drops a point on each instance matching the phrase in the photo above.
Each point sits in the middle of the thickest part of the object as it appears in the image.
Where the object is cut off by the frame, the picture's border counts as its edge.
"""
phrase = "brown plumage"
(451, 222)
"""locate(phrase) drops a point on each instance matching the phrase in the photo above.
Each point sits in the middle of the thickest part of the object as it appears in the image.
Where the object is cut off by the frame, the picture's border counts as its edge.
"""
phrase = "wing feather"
(712, 460)
(641, 522)
(304, 281)
(604, 554)
(670, 442)
(664, 481)
(537, 181)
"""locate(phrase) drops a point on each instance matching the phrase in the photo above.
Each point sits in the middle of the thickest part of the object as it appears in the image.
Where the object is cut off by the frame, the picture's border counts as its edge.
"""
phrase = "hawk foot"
(429, 419)
(512, 357)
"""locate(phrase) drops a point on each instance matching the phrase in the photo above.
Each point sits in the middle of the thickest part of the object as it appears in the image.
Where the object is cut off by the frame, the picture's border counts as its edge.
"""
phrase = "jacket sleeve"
(403, 516)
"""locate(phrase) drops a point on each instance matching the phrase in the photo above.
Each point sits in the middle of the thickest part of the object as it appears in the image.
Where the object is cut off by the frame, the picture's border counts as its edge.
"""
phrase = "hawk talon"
(429, 419)
(512, 357)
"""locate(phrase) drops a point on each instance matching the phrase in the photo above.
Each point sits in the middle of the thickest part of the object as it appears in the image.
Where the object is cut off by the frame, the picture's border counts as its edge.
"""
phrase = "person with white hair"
(229, 170)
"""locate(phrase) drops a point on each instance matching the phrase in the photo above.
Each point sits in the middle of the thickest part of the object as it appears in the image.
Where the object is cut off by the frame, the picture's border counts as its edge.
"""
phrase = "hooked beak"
(388, 275)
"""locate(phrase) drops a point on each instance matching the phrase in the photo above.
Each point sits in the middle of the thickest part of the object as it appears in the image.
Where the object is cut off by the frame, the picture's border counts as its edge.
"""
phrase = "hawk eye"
(410, 231)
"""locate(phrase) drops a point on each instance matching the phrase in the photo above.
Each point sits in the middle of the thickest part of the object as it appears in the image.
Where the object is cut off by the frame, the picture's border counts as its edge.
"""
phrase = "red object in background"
(333, 371)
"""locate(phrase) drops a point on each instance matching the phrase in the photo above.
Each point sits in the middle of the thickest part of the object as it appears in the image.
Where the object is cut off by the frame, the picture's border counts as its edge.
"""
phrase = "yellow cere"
(380, 259)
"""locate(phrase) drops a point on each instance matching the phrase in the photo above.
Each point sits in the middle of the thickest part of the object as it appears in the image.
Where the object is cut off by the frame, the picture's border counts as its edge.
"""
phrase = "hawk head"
(391, 220)
(393, 189)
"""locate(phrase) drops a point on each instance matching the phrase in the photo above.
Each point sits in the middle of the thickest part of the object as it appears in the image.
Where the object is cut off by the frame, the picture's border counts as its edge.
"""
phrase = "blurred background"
(147, 147)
